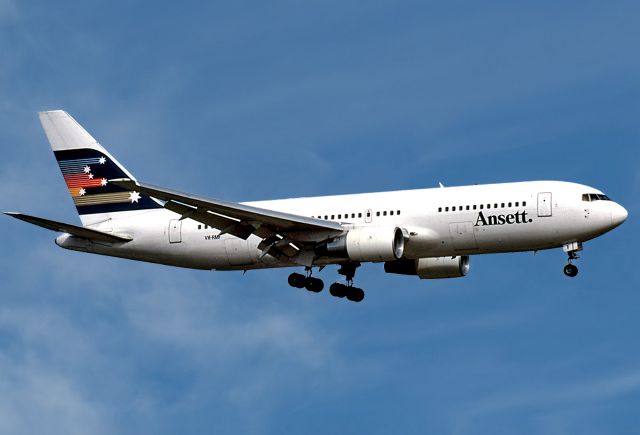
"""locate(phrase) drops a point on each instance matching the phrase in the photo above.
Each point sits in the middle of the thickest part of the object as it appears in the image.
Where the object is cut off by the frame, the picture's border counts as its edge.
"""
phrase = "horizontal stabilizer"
(85, 233)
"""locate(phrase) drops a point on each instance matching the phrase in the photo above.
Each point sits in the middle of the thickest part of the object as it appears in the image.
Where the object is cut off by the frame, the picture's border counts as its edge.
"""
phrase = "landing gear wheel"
(355, 294)
(570, 270)
(297, 280)
(314, 284)
(338, 290)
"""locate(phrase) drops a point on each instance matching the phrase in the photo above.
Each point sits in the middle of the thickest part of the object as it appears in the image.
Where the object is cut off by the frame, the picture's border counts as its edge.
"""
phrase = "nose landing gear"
(570, 270)
(571, 249)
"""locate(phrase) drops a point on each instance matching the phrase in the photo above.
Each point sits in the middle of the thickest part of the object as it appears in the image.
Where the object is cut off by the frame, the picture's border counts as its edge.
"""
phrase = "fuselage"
(438, 222)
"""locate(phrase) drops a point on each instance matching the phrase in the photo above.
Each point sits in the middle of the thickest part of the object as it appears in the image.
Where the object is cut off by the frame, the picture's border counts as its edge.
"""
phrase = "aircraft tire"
(297, 280)
(570, 270)
(355, 294)
(314, 285)
(338, 290)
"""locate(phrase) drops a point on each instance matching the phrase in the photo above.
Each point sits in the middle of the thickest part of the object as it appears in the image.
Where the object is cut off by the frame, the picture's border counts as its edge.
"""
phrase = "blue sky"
(248, 101)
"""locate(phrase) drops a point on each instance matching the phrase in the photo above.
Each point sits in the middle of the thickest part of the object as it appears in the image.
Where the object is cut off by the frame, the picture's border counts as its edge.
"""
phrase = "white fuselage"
(439, 222)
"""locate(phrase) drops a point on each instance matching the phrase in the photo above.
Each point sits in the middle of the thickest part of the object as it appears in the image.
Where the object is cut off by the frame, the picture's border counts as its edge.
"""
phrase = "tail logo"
(86, 173)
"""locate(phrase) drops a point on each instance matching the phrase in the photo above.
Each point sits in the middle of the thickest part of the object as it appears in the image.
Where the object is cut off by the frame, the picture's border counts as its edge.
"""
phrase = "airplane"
(428, 233)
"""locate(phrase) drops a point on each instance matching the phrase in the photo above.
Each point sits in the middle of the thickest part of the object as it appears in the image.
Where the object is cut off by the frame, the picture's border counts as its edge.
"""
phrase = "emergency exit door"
(544, 204)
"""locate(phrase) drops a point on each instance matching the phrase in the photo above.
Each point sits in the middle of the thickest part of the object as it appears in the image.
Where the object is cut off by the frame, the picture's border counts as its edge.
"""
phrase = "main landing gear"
(336, 289)
(572, 249)
(312, 284)
(354, 294)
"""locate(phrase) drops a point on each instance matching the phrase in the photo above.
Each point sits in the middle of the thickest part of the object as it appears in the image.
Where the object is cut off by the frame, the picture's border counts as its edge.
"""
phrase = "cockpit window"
(594, 197)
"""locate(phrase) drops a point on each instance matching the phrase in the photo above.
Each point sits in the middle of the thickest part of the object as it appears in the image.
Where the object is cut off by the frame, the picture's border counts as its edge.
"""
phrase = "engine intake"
(431, 268)
(366, 244)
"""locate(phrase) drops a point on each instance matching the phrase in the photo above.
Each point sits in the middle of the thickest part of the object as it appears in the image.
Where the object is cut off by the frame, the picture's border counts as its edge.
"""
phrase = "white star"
(103, 182)
(87, 169)
(82, 192)
(134, 197)
(90, 176)
(102, 160)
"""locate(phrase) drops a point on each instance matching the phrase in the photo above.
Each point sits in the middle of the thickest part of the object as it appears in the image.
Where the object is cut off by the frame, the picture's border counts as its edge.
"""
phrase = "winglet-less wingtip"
(127, 183)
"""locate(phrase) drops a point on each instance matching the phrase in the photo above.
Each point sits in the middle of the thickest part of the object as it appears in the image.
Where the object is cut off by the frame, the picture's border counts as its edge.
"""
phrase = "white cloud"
(529, 396)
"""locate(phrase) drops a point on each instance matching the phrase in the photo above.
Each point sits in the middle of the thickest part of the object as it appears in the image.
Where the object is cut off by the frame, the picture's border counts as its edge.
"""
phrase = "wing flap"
(74, 230)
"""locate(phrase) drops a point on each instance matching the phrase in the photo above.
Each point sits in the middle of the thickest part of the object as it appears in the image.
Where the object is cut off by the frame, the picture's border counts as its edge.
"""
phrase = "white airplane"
(429, 233)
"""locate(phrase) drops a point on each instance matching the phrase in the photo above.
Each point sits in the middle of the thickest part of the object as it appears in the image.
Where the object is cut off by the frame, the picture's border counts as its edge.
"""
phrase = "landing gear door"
(544, 204)
(175, 231)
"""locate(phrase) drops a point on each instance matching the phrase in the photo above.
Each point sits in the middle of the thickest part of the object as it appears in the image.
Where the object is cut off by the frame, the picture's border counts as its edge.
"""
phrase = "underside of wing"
(283, 234)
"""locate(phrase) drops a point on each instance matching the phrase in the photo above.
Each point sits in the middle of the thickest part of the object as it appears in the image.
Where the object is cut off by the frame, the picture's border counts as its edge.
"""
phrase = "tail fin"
(86, 167)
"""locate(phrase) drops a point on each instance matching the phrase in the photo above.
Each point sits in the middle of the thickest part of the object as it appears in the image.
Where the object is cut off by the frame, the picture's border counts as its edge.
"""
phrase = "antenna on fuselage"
(441, 185)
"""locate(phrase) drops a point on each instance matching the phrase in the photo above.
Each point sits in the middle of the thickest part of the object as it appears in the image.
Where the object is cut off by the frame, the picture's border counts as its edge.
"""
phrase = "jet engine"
(430, 268)
(366, 244)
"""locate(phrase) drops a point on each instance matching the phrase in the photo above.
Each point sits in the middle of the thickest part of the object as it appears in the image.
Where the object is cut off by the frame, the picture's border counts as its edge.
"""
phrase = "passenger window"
(446, 209)
(496, 205)
(398, 213)
(326, 217)
(368, 214)
(333, 216)
(439, 209)
(488, 205)
(339, 216)
(474, 206)
(467, 207)
(391, 212)
(353, 215)
(503, 205)
(377, 213)
(481, 206)
(199, 226)
(517, 204)
(524, 203)
(509, 204)
(453, 208)
(384, 213)
(359, 215)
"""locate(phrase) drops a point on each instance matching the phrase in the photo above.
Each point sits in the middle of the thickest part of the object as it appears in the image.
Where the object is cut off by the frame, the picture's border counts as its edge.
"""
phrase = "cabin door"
(175, 231)
(544, 204)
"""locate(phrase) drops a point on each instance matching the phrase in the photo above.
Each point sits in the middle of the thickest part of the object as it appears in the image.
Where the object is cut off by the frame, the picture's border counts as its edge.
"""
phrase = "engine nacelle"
(431, 268)
(366, 244)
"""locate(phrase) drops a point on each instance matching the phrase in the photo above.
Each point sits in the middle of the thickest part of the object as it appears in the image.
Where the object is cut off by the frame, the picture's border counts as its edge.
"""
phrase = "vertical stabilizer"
(86, 167)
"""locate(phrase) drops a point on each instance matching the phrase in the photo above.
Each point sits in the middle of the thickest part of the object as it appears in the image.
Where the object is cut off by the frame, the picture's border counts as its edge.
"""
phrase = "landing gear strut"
(312, 284)
(571, 249)
(339, 290)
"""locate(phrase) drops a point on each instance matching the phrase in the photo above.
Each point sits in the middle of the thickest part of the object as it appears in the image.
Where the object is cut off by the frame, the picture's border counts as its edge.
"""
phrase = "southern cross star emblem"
(134, 197)
(82, 192)
(87, 169)
(102, 160)
(90, 176)
(103, 182)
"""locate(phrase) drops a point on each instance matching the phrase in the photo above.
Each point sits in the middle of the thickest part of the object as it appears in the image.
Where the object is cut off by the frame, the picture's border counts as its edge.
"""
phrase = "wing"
(85, 233)
(283, 234)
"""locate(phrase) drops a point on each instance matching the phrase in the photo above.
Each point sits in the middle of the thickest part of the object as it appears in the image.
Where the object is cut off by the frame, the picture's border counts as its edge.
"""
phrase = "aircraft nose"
(618, 214)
